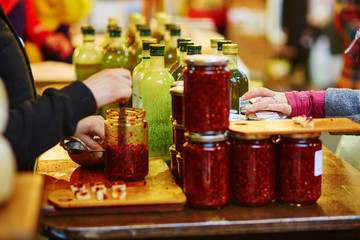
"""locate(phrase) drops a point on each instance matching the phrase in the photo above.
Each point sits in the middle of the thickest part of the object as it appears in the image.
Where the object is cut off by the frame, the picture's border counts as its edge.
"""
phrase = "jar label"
(318, 163)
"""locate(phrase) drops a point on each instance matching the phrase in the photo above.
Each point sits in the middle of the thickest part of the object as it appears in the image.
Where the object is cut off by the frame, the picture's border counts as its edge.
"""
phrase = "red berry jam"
(179, 137)
(206, 94)
(173, 163)
(127, 153)
(299, 169)
(180, 162)
(206, 170)
(252, 160)
(177, 96)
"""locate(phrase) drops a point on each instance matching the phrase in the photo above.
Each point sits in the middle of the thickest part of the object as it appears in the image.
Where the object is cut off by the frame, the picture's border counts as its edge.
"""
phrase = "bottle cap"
(214, 40)
(182, 40)
(145, 32)
(87, 29)
(147, 42)
(175, 31)
(115, 31)
(220, 43)
(201, 137)
(157, 49)
(169, 26)
(183, 46)
(193, 49)
(230, 48)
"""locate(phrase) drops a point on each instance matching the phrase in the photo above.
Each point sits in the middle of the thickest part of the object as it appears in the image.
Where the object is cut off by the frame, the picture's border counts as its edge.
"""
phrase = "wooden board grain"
(158, 188)
(287, 126)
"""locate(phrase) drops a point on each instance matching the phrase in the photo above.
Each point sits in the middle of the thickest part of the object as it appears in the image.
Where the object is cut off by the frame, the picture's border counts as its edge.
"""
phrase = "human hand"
(110, 85)
(89, 127)
(58, 44)
(269, 100)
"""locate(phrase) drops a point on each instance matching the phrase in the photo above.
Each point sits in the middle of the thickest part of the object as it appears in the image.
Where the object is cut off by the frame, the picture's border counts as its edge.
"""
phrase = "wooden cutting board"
(158, 188)
(287, 126)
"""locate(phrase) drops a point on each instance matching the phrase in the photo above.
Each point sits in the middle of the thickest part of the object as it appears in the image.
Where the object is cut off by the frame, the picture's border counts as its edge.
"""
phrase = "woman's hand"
(268, 101)
(110, 85)
(89, 127)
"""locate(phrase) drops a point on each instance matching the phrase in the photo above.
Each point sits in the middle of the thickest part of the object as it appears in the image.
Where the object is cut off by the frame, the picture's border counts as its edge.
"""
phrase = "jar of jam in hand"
(127, 155)
(252, 159)
(299, 169)
(206, 170)
(206, 94)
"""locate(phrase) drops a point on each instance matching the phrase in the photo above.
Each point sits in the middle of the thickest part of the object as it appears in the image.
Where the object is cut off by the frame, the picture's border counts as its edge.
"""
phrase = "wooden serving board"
(158, 188)
(287, 126)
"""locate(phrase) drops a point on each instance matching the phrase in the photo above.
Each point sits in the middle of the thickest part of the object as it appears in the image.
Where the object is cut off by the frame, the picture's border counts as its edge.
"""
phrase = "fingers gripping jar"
(252, 160)
(299, 169)
(206, 170)
(128, 161)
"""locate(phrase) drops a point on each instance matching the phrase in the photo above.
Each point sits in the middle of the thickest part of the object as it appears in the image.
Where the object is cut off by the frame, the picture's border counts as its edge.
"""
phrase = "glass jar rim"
(205, 137)
(177, 91)
(132, 114)
(206, 60)
(241, 136)
(302, 135)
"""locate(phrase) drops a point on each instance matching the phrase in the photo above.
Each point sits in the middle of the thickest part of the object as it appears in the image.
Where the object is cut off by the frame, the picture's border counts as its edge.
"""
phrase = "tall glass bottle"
(219, 46)
(167, 34)
(176, 72)
(239, 83)
(170, 52)
(135, 50)
(115, 57)
(191, 50)
(112, 22)
(154, 97)
(161, 19)
(213, 44)
(135, 19)
(87, 58)
(141, 69)
(176, 63)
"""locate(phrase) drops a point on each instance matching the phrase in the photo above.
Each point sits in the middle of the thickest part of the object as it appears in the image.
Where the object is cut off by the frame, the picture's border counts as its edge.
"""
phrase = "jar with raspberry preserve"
(299, 169)
(127, 154)
(173, 163)
(179, 136)
(177, 96)
(180, 162)
(252, 159)
(206, 170)
(206, 94)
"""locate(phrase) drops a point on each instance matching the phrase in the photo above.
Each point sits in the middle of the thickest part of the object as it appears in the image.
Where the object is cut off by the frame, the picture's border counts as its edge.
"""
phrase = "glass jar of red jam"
(180, 162)
(206, 94)
(206, 170)
(177, 96)
(179, 136)
(173, 163)
(299, 169)
(252, 159)
(127, 154)
(177, 83)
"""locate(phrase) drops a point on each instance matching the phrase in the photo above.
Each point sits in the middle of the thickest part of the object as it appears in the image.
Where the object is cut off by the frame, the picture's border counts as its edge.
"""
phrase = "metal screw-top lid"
(169, 26)
(177, 91)
(214, 40)
(229, 49)
(115, 31)
(220, 43)
(182, 40)
(183, 46)
(177, 83)
(193, 49)
(206, 60)
(145, 31)
(175, 31)
(87, 29)
(146, 43)
(199, 137)
(157, 49)
(237, 135)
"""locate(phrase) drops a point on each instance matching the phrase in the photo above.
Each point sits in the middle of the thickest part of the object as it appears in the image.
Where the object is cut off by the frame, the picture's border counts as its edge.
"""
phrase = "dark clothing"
(36, 123)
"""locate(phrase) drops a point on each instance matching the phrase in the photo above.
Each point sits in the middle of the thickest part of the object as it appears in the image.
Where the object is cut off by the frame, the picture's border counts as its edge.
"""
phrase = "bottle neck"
(89, 41)
(173, 42)
(157, 63)
(114, 42)
(220, 53)
(214, 51)
(232, 61)
(146, 54)
(182, 58)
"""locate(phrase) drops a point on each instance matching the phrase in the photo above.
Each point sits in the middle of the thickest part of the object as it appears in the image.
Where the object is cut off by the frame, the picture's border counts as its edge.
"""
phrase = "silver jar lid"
(199, 137)
(206, 60)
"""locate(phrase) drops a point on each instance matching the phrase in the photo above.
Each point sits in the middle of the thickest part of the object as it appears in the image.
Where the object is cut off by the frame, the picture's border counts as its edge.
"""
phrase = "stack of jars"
(206, 119)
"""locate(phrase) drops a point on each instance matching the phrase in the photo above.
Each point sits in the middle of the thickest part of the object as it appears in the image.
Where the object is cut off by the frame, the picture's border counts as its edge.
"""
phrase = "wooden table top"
(338, 209)
(20, 214)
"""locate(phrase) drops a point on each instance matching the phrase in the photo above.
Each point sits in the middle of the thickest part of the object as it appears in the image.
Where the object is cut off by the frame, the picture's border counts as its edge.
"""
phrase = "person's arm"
(309, 103)
(340, 102)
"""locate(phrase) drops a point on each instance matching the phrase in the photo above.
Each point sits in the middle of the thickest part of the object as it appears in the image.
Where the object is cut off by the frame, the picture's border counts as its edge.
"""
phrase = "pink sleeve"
(309, 103)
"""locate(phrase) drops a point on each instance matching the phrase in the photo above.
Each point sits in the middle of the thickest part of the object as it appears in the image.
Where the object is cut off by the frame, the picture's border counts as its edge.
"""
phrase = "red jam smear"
(206, 174)
(252, 172)
(206, 98)
(127, 162)
(295, 181)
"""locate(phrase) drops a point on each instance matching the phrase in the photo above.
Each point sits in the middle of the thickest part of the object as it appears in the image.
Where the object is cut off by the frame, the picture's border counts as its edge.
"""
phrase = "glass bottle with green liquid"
(135, 19)
(154, 97)
(239, 83)
(87, 58)
(176, 63)
(115, 57)
(135, 50)
(191, 50)
(170, 51)
(112, 22)
(141, 69)
(161, 19)
(176, 72)
(220, 43)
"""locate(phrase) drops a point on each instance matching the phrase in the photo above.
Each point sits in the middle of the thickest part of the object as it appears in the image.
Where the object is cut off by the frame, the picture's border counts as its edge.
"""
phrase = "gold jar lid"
(229, 49)
(177, 91)
(177, 83)
(236, 135)
(199, 137)
(206, 60)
